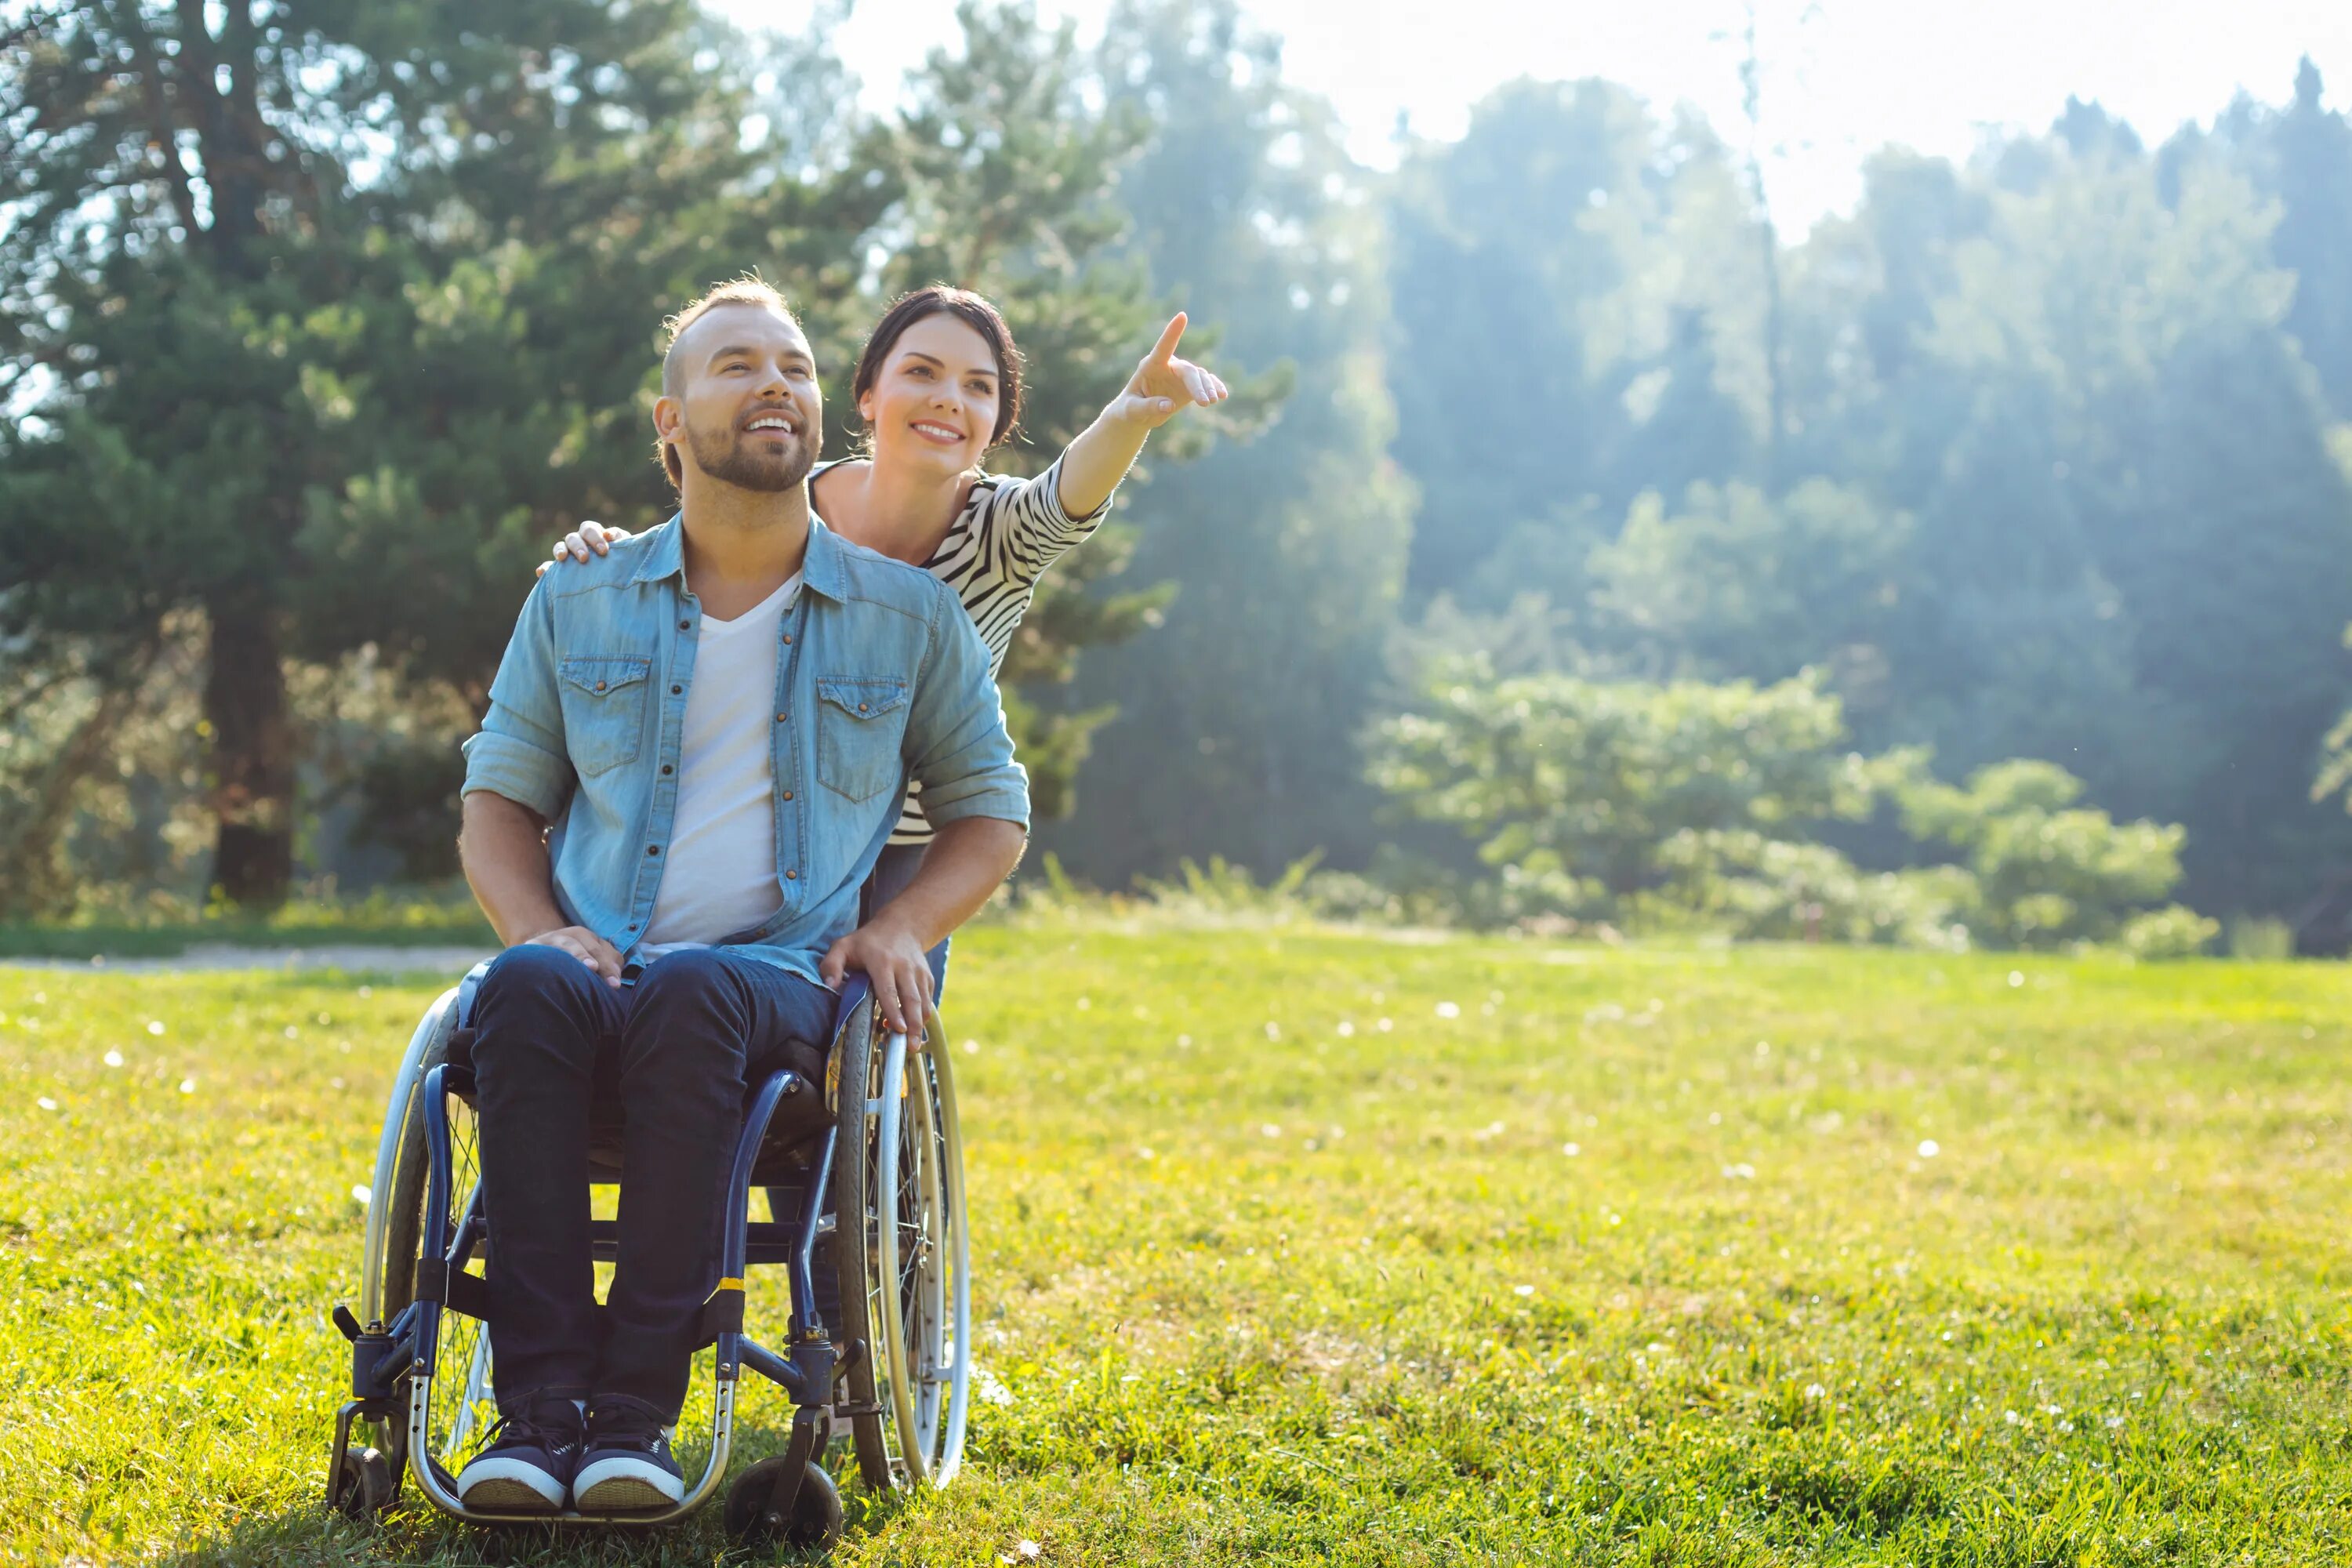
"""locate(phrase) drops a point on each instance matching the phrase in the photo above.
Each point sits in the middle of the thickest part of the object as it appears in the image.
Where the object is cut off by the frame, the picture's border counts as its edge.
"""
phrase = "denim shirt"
(879, 675)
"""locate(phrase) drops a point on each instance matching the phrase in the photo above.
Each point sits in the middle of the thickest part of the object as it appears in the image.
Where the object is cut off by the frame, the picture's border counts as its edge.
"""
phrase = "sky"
(1841, 78)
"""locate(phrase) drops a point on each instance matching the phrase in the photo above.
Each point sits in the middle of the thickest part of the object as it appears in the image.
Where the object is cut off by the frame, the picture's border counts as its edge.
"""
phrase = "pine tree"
(2311, 166)
(1502, 243)
(1239, 718)
(1005, 175)
(2134, 525)
(324, 299)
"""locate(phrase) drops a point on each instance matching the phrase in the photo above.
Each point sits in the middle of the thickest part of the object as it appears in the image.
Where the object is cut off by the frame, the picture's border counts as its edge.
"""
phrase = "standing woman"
(938, 387)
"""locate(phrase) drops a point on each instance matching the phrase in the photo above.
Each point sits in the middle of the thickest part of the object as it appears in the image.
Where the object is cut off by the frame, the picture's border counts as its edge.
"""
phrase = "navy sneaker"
(526, 1465)
(626, 1466)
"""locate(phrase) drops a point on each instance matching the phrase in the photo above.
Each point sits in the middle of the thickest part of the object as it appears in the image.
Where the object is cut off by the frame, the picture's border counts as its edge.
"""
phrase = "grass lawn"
(1304, 1249)
(379, 923)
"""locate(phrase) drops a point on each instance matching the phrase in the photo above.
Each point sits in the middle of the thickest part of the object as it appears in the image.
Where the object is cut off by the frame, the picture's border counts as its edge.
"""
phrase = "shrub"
(1745, 885)
(1697, 807)
(2048, 872)
(1572, 789)
(2175, 930)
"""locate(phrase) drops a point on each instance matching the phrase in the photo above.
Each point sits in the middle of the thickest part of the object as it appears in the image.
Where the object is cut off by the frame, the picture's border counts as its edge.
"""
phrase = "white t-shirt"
(720, 875)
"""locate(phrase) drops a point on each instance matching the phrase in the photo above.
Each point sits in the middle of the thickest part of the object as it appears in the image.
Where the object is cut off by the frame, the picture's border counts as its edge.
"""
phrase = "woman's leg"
(892, 873)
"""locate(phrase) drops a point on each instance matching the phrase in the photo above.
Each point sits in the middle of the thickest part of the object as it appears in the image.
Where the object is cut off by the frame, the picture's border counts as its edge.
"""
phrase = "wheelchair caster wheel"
(815, 1518)
(362, 1486)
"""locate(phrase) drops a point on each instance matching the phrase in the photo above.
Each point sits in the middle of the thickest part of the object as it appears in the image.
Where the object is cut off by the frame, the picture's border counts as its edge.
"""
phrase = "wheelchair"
(873, 1161)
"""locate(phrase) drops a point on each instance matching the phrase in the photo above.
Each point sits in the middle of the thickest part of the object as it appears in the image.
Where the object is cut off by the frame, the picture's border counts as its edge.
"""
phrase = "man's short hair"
(749, 289)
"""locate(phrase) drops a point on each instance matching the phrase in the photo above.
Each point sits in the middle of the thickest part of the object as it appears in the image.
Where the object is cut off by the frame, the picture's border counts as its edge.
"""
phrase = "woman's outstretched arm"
(1161, 385)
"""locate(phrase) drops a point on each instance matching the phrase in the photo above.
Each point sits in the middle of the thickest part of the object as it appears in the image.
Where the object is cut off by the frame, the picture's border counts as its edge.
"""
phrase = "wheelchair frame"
(911, 1342)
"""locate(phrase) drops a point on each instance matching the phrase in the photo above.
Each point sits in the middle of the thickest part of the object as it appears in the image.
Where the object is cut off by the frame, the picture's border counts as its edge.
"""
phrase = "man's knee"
(539, 994)
(533, 973)
(693, 978)
(691, 1005)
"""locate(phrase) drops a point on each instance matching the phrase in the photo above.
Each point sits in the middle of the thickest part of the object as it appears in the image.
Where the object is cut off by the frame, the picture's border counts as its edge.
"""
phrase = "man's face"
(743, 401)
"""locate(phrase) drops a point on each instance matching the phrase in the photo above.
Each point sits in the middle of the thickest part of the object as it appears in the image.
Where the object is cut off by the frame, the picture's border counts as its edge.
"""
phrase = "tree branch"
(163, 132)
(29, 27)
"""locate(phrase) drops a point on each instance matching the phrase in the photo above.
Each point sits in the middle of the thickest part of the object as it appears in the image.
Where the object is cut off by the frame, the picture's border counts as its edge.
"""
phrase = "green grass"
(429, 918)
(1269, 1279)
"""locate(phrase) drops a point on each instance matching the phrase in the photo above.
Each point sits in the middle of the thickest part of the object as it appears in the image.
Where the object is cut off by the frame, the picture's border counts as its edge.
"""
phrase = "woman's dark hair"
(976, 312)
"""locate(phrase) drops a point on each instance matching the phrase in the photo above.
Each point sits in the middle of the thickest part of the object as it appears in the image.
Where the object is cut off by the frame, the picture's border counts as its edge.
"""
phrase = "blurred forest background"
(1583, 550)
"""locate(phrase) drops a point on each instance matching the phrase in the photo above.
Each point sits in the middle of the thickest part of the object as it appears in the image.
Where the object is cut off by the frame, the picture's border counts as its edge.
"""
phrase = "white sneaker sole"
(624, 1485)
(509, 1486)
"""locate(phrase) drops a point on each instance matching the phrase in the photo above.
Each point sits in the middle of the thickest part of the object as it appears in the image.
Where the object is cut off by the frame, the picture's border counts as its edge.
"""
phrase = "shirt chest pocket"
(603, 710)
(860, 729)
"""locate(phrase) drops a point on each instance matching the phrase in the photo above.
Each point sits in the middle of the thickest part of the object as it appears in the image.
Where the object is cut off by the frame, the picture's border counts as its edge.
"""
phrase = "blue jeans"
(676, 1052)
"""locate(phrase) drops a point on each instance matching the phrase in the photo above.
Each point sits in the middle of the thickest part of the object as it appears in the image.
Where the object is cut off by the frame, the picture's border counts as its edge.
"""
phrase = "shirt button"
(783, 718)
(788, 637)
(791, 876)
(673, 691)
(665, 767)
(600, 686)
(861, 708)
(788, 794)
(653, 849)
(685, 625)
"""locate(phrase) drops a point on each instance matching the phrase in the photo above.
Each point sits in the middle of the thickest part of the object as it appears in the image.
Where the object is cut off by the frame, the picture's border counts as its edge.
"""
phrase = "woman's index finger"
(1165, 349)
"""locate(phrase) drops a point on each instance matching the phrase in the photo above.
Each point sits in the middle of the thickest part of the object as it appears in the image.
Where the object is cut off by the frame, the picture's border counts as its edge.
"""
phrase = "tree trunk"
(253, 757)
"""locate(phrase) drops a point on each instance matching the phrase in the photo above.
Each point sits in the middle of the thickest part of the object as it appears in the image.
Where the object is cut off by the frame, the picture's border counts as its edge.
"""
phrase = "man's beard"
(745, 465)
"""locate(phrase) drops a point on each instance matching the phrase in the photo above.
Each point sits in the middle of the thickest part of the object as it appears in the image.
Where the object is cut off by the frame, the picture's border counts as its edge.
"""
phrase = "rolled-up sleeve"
(958, 749)
(1033, 525)
(519, 751)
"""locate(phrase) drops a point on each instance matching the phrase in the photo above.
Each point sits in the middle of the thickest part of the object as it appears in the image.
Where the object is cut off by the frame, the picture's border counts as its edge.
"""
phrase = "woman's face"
(935, 402)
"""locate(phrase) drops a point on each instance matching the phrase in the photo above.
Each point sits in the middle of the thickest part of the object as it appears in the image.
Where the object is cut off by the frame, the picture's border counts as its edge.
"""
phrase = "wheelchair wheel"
(462, 1402)
(900, 1247)
(363, 1484)
(815, 1520)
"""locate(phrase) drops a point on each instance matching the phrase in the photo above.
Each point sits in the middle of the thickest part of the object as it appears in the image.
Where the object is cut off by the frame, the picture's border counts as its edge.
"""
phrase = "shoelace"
(625, 1421)
(522, 1428)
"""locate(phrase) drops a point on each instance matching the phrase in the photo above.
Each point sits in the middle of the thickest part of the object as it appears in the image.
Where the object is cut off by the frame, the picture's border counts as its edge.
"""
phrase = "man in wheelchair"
(717, 721)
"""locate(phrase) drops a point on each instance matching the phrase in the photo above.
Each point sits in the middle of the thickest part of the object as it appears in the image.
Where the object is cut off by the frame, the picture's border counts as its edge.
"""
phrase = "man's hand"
(892, 958)
(585, 945)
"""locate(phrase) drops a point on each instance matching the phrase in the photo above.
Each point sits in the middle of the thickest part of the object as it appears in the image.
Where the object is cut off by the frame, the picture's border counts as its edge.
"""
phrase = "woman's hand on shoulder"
(1164, 384)
(575, 545)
